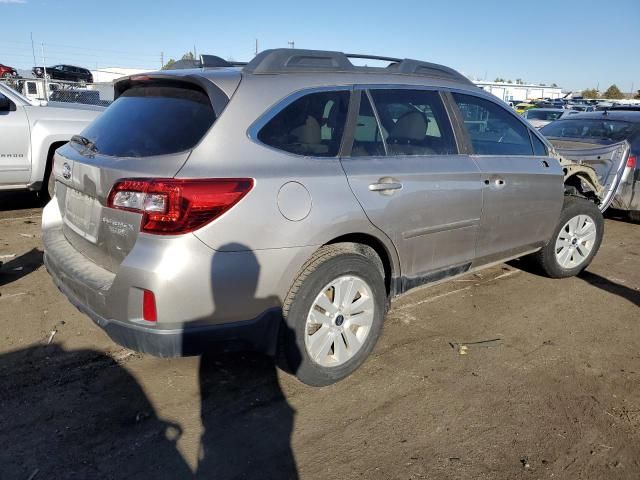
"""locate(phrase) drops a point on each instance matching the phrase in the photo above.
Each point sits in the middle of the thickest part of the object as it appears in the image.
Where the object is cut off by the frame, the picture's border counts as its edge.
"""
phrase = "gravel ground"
(549, 385)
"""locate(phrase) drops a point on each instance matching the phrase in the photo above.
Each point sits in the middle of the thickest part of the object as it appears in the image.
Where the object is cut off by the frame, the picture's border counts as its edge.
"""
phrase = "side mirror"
(6, 105)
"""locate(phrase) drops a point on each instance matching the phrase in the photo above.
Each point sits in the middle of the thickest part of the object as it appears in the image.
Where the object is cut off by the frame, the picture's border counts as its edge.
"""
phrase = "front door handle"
(385, 185)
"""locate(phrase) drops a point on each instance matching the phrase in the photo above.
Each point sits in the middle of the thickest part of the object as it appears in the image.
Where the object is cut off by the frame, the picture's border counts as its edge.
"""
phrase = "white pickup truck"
(30, 131)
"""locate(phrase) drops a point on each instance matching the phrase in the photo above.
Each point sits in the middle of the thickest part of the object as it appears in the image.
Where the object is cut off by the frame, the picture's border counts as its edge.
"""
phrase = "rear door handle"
(386, 186)
(381, 187)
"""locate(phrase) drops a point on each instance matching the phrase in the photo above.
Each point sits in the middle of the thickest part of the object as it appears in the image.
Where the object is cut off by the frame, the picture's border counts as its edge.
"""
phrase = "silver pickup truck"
(30, 132)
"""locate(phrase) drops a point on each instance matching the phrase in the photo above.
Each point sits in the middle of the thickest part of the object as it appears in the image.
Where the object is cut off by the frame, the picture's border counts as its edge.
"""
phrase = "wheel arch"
(386, 253)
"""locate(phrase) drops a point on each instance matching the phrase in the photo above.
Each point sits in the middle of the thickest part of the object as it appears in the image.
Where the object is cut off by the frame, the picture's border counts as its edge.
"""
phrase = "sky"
(576, 44)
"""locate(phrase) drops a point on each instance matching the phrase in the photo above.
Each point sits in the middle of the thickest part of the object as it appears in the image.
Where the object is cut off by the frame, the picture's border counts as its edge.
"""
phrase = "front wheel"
(333, 313)
(575, 240)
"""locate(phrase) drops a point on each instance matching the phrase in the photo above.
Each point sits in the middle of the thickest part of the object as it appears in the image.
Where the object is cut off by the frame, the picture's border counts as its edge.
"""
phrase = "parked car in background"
(288, 223)
(69, 73)
(7, 72)
(581, 107)
(30, 134)
(539, 117)
(584, 130)
(523, 107)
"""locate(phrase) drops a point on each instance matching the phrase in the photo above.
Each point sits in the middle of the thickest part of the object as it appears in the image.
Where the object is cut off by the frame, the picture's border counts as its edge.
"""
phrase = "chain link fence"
(61, 91)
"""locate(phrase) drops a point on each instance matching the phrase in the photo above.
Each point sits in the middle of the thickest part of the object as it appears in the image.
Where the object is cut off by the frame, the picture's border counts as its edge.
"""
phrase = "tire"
(333, 268)
(634, 216)
(572, 249)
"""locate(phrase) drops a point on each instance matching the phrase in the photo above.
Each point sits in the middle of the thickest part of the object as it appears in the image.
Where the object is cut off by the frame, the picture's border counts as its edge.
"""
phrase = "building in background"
(521, 92)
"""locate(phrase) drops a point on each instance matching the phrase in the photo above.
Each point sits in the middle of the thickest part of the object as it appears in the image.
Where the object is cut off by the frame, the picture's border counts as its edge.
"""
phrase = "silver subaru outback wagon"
(282, 204)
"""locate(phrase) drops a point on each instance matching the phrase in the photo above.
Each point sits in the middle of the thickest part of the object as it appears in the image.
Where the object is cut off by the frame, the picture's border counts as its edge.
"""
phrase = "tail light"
(632, 161)
(173, 206)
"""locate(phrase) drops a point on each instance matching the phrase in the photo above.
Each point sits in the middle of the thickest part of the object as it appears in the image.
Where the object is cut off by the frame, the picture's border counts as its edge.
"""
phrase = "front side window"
(491, 128)
(312, 125)
(414, 122)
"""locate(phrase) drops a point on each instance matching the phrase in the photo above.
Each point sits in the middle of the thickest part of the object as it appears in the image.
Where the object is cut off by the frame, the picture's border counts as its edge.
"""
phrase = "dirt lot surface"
(554, 390)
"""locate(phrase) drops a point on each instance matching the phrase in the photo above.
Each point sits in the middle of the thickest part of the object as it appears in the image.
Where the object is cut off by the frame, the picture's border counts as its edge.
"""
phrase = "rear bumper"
(259, 334)
(205, 299)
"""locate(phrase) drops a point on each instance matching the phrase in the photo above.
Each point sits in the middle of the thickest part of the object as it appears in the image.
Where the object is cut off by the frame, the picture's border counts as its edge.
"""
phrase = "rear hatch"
(148, 132)
(608, 161)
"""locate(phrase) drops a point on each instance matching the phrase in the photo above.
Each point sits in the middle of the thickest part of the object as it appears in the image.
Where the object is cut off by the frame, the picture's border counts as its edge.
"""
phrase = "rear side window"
(152, 119)
(414, 122)
(491, 128)
(311, 125)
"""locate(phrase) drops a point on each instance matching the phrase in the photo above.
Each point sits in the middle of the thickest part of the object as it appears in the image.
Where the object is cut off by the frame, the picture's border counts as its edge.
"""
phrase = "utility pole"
(33, 50)
(256, 52)
(292, 44)
(161, 60)
(44, 66)
(195, 54)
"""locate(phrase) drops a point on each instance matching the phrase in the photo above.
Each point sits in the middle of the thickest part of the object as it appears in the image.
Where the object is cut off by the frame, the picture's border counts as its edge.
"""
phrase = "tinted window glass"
(311, 125)
(414, 122)
(492, 129)
(539, 148)
(154, 119)
(609, 131)
(367, 139)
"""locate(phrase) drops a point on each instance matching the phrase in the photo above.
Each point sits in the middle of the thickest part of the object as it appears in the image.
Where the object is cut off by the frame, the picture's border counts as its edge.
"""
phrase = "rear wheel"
(575, 241)
(333, 313)
(634, 216)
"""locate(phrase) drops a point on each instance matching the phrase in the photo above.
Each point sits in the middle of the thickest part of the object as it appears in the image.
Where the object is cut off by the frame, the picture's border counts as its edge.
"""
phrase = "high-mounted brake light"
(632, 161)
(172, 206)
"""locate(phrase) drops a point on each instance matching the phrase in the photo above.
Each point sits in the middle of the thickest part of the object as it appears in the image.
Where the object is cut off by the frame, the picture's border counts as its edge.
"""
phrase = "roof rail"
(289, 60)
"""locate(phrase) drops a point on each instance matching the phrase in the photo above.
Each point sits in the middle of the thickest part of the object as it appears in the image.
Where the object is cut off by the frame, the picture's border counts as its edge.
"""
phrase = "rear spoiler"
(219, 99)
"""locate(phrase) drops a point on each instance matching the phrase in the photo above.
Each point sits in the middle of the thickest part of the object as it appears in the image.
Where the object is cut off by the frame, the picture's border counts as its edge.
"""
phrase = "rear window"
(609, 131)
(153, 119)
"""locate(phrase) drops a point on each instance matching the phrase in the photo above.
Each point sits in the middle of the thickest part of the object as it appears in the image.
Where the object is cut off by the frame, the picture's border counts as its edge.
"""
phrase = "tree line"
(611, 93)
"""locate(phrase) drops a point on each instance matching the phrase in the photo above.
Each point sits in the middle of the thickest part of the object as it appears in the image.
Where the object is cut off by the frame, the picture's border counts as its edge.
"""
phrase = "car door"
(523, 188)
(405, 170)
(15, 164)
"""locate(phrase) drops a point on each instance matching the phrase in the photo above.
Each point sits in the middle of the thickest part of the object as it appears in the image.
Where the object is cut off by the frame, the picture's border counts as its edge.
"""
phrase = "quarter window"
(539, 149)
(311, 125)
(493, 130)
(414, 122)
(367, 138)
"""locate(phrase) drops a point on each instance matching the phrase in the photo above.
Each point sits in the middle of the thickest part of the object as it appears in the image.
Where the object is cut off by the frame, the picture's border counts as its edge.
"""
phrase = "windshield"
(152, 119)
(608, 131)
(543, 115)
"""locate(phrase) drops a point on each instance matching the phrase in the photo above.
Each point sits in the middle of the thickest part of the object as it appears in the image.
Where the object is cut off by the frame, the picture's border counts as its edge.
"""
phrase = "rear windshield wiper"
(85, 142)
